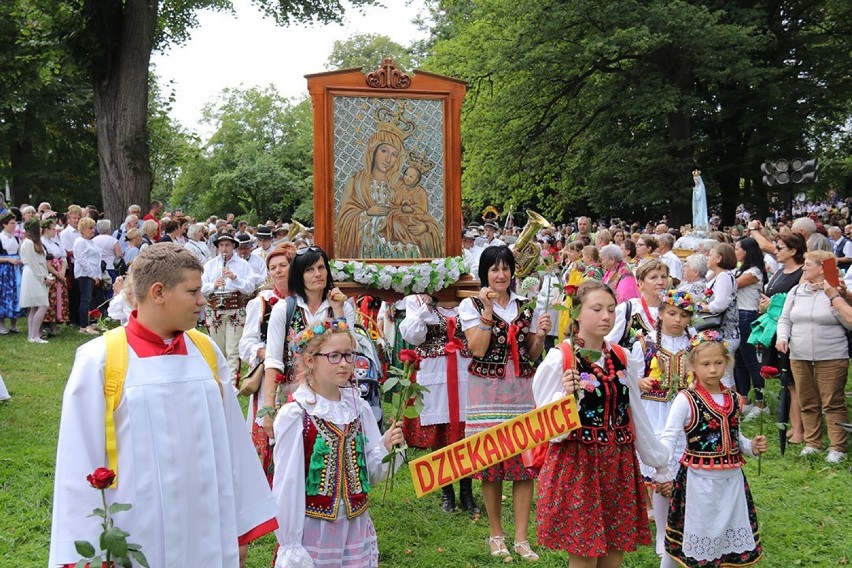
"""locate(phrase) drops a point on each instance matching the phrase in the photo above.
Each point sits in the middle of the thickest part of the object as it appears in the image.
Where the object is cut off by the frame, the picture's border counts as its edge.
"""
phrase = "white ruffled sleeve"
(288, 488)
(745, 445)
(617, 332)
(547, 382)
(417, 318)
(650, 449)
(250, 341)
(468, 314)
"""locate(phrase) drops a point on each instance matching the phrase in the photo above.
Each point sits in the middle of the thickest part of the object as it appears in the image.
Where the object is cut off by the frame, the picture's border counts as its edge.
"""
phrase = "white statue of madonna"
(699, 205)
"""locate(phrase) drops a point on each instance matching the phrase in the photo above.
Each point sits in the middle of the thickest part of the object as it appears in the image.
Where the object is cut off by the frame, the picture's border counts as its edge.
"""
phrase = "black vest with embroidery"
(712, 435)
(493, 364)
(604, 410)
(436, 339)
(672, 367)
(335, 469)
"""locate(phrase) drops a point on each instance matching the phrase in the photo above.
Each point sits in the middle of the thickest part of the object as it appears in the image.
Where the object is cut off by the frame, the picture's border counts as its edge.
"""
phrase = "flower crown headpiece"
(706, 336)
(302, 339)
(680, 299)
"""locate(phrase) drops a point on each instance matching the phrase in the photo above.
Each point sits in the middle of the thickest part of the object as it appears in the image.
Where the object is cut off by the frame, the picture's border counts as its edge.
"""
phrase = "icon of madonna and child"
(383, 212)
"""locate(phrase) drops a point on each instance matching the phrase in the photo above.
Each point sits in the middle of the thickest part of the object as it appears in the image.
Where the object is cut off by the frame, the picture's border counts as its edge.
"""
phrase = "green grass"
(804, 505)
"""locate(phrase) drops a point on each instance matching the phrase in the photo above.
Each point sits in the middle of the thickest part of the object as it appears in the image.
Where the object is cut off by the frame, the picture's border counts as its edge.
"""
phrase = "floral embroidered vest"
(672, 367)
(493, 364)
(712, 435)
(436, 339)
(335, 469)
(604, 410)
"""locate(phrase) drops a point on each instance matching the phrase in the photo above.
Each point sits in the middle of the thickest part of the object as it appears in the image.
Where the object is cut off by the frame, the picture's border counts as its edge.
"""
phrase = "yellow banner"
(494, 445)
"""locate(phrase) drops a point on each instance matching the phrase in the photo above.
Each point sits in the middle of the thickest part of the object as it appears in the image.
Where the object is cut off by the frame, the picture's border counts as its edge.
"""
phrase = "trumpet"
(295, 229)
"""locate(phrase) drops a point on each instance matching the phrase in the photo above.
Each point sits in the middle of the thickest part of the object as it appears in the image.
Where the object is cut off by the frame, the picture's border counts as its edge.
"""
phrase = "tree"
(171, 145)
(257, 163)
(367, 51)
(572, 103)
(47, 140)
(115, 39)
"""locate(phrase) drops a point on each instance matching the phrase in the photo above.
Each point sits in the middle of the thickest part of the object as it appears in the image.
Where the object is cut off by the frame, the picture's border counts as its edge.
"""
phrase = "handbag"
(707, 320)
(251, 383)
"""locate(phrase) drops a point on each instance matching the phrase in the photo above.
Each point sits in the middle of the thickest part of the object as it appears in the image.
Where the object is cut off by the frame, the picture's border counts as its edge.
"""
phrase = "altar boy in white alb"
(184, 459)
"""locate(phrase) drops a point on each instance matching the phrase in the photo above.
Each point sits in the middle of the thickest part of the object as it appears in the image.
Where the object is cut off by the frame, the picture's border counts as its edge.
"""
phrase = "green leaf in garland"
(589, 354)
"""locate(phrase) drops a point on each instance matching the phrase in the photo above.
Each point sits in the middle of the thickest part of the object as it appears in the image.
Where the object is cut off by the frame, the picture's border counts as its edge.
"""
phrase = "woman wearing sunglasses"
(314, 299)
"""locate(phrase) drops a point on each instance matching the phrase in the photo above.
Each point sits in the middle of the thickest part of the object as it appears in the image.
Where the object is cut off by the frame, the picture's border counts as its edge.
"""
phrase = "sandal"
(525, 550)
(497, 544)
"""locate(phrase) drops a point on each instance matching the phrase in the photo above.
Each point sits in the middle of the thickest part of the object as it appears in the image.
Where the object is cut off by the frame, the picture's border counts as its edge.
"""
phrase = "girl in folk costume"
(591, 498)
(10, 274)
(253, 340)
(438, 339)
(497, 327)
(711, 520)
(639, 315)
(329, 452)
(314, 299)
(664, 353)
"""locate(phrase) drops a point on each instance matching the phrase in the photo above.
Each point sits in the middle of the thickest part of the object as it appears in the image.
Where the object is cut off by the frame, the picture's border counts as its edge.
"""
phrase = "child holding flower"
(664, 352)
(591, 500)
(329, 452)
(711, 520)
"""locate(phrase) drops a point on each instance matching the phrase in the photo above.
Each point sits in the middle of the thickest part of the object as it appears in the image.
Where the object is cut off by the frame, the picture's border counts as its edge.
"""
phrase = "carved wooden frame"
(385, 82)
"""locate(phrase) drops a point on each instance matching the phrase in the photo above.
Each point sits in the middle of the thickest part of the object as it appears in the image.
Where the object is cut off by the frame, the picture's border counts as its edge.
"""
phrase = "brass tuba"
(295, 229)
(528, 252)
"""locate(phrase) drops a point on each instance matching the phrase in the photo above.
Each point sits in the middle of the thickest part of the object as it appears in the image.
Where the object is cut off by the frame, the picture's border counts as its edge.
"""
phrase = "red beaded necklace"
(724, 408)
(277, 293)
(596, 369)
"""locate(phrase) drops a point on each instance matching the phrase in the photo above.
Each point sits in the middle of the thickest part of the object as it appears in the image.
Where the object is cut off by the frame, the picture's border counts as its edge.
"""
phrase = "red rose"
(768, 372)
(570, 290)
(95, 314)
(280, 378)
(101, 478)
(655, 385)
(410, 356)
(272, 300)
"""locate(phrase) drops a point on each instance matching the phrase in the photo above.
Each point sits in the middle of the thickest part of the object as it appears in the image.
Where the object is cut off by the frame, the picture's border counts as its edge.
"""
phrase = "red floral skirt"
(591, 499)
(264, 450)
(432, 437)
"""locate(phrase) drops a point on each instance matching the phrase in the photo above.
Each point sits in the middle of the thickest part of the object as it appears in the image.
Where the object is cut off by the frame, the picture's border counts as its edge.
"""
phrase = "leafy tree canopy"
(573, 103)
(258, 161)
(367, 51)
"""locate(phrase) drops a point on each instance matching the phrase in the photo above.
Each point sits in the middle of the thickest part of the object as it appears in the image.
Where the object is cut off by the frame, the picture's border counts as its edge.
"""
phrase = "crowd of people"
(666, 355)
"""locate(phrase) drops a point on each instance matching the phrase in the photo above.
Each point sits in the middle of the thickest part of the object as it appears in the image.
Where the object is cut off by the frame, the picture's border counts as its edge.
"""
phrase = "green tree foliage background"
(258, 162)
(612, 104)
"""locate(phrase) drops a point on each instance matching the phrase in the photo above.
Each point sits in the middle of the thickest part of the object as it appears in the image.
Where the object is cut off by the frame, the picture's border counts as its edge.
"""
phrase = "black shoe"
(448, 499)
(466, 497)
(15, 331)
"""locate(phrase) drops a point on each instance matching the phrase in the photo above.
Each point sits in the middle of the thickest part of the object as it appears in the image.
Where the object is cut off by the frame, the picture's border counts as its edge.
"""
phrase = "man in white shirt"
(228, 283)
(264, 242)
(471, 252)
(70, 233)
(666, 243)
(491, 238)
(257, 264)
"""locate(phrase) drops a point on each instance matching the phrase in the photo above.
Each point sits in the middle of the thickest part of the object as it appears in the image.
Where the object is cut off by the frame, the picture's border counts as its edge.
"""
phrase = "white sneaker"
(834, 456)
(808, 451)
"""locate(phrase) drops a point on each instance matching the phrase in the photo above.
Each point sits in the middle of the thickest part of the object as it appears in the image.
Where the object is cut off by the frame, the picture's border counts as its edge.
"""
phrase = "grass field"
(803, 504)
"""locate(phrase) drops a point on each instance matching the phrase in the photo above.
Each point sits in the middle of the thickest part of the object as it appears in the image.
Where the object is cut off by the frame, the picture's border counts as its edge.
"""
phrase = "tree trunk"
(677, 70)
(120, 81)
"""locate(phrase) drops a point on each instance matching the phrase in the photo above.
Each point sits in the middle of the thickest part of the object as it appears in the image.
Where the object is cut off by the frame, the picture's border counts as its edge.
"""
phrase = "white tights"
(34, 319)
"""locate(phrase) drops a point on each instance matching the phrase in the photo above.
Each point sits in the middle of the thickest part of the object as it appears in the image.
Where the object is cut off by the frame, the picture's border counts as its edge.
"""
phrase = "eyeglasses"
(303, 250)
(335, 357)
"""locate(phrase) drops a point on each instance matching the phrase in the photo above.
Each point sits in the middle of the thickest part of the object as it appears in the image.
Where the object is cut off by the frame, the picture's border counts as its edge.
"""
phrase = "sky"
(249, 50)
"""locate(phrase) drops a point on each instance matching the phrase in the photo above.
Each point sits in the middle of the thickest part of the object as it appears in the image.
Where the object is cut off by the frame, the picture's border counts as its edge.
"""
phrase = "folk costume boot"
(448, 499)
(466, 496)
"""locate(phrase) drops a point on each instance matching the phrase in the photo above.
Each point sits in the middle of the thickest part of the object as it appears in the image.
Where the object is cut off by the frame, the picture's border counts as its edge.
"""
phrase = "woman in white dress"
(57, 265)
(35, 280)
(639, 315)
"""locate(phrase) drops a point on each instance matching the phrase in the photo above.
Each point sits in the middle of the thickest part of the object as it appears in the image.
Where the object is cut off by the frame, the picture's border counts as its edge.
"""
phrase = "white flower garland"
(409, 279)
